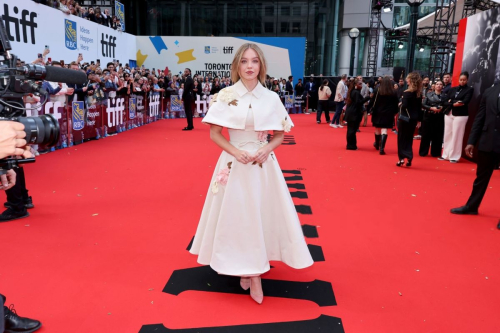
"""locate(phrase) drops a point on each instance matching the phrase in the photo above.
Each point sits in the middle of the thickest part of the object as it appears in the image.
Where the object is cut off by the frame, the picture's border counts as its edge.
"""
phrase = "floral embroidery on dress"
(228, 96)
(287, 126)
(221, 178)
(213, 100)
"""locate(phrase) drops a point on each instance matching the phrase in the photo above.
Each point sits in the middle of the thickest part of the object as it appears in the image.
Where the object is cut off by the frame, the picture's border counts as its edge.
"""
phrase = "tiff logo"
(24, 22)
(108, 46)
(154, 105)
(227, 49)
(115, 114)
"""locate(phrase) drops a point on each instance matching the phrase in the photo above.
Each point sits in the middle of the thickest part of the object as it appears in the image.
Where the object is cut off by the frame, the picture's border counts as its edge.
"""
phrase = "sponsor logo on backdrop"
(132, 108)
(78, 116)
(201, 104)
(17, 25)
(154, 105)
(288, 101)
(120, 13)
(108, 45)
(55, 109)
(175, 103)
(85, 39)
(215, 49)
(207, 49)
(115, 112)
(227, 50)
(91, 117)
(70, 34)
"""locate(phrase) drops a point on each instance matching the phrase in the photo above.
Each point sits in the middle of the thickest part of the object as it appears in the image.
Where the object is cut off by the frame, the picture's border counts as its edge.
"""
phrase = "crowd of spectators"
(92, 13)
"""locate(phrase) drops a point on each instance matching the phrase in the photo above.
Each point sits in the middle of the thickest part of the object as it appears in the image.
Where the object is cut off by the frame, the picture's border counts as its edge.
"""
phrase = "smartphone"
(47, 47)
(49, 60)
(114, 60)
(62, 63)
(92, 62)
(79, 54)
(40, 56)
(99, 61)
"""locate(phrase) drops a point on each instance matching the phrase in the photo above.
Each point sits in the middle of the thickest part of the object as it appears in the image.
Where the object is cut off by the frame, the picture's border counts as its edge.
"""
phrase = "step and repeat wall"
(477, 53)
(31, 26)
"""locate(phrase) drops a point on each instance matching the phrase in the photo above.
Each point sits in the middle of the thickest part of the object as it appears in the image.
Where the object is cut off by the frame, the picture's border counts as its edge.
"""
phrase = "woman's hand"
(262, 155)
(8, 180)
(243, 157)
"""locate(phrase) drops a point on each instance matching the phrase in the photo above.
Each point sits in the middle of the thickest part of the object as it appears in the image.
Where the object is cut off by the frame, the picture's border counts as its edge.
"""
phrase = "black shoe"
(10, 215)
(28, 203)
(16, 324)
(441, 159)
(464, 210)
(376, 144)
(188, 128)
(498, 226)
(383, 140)
(318, 122)
(358, 131)
(349, 148)
(408, 163)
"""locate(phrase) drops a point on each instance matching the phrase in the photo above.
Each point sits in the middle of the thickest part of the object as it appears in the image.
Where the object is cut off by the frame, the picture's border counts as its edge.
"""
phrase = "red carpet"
(113, 219)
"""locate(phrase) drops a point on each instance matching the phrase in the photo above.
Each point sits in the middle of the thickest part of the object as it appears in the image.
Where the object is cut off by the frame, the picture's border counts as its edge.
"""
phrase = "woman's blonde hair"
(235, 75)
(415, 83)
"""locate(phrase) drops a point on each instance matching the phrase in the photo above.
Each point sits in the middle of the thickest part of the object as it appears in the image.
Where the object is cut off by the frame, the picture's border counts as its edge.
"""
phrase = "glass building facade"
(319, 21)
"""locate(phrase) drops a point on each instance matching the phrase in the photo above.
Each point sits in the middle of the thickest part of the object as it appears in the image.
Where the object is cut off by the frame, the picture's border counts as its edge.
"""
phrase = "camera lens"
(42, 130)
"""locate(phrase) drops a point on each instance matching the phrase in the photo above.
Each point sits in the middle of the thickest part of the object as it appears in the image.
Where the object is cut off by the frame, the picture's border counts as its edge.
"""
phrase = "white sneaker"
(340, 126)
(333, 125)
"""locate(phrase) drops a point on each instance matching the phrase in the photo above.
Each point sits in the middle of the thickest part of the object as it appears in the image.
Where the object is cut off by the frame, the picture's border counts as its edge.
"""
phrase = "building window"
(269, 27)
(296, 11)
(285, 11)
(269, 11)
(285, 27)
(296, 27)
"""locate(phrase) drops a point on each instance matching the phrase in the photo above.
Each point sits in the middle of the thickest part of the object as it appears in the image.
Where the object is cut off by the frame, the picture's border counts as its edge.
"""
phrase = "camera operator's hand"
(8, 180)
(12, 140)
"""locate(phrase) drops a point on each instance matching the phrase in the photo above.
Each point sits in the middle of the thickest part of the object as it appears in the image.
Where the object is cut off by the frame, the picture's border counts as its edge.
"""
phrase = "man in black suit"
(289, 86)
(486, 131)
(187, 97)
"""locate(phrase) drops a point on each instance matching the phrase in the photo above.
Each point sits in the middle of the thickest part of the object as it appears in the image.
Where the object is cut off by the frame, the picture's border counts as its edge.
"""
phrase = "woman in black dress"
(433, 124)
(354, 112)
(385, 107)
(411, 105)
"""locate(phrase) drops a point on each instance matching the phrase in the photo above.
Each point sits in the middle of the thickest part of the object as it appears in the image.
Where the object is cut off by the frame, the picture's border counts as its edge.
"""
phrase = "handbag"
(402, 117)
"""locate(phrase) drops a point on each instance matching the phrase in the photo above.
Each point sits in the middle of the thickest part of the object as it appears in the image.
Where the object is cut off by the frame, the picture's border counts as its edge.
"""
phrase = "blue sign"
(70, 34)
(78, 116)
(120, 13)
(176, 103)
(288, 101)
(132, 108)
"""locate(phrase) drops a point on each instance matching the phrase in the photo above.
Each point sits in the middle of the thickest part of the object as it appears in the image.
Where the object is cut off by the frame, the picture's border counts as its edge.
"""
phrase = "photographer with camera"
(12, 142)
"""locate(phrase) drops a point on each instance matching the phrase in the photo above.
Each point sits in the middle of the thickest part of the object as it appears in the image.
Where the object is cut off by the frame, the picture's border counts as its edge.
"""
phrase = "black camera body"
(14, 85)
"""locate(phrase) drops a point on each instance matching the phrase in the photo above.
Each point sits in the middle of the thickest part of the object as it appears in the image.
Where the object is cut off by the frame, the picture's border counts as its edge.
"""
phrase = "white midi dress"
(250, 220)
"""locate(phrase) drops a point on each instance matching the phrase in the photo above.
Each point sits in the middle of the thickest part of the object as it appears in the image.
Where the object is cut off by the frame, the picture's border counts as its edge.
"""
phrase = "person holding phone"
(433, 123)
(457, 114)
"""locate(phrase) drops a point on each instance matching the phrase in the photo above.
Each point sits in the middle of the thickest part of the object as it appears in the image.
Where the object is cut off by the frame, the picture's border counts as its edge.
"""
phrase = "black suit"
(187, 97)
(486, 132)
(289, 88)
(353, 116)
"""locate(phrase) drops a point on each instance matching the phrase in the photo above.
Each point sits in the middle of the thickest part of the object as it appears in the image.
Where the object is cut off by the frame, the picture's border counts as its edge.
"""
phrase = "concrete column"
(345, 53)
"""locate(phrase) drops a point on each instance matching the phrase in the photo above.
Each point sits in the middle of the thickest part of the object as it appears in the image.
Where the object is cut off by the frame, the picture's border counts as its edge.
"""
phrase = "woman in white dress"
(249, 217)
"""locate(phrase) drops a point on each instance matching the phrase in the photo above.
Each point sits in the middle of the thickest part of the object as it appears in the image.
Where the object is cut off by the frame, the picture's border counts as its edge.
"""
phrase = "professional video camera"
(15, 82)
